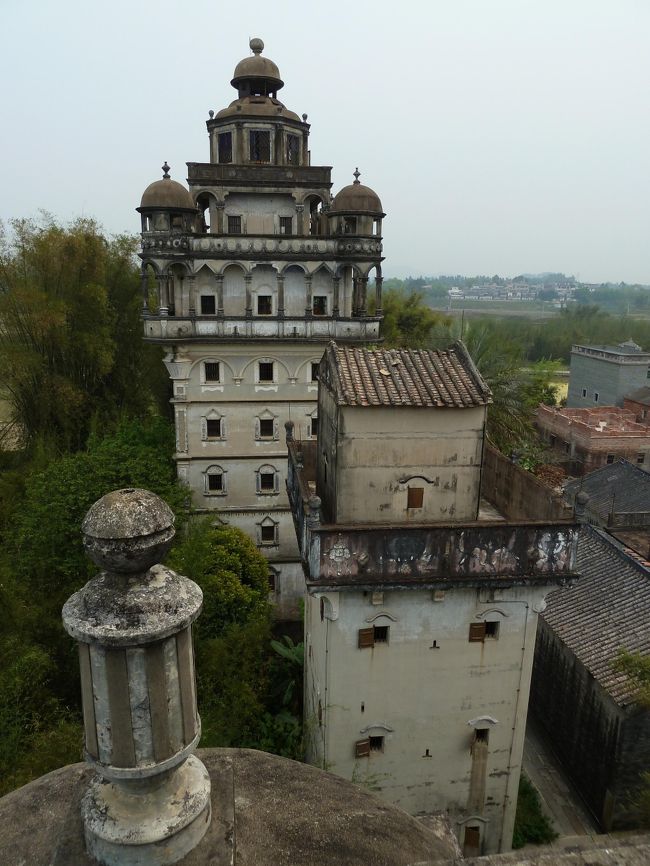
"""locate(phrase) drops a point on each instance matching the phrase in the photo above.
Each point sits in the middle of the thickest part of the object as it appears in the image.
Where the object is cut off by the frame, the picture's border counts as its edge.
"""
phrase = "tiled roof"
(620, 486)
(405, 377)
(608, 608)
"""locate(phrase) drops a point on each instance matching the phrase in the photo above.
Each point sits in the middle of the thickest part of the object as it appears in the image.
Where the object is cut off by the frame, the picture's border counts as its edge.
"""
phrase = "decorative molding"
(483, 721)
(483, 613)
(381, 613)
(381, 725)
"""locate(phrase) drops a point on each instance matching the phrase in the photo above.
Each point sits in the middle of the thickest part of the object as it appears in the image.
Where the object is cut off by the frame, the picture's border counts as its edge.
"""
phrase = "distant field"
(498, 309)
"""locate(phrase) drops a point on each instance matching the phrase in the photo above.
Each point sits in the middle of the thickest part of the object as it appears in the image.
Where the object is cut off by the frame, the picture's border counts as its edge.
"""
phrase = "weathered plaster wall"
(516, 493)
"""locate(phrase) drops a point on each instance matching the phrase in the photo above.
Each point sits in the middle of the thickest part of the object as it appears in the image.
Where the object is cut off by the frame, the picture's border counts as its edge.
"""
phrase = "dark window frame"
(212, 371)
(319, 305)
(286, 225)
(212, 425)
(208, 305)
(234, 224)
(224, 147)
(259, 145)
(265, 371)
(265, 305)
(267, 428)
(215, 482)
(415, 497)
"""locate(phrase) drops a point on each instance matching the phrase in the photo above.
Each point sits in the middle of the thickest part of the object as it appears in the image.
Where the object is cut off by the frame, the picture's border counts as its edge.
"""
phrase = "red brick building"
(590, 438)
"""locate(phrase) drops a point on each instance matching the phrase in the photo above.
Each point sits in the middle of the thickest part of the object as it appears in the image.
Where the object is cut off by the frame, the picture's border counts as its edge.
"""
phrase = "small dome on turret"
(257, 68)
(357, 199)
(167, 194)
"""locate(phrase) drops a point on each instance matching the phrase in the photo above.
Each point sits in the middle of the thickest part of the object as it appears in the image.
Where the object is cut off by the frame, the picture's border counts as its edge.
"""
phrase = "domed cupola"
(167, 205)
(356, 209)
(257, 75)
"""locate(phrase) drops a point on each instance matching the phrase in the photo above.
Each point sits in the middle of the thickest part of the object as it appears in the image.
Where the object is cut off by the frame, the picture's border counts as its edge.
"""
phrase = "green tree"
(409, 322)
(70, 338)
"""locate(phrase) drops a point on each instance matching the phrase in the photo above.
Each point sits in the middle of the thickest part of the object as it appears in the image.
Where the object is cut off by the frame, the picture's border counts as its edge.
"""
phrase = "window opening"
(610, 458)
(314, 371)
(380, 633)
(320, 305)
(313, 430)
(208, 307)
(267, 482)
(415, 497)
(350, 225)
(293, 150)
(211, 369)
(265, 370)
(234, 225)
(640, 458)
(492, 629)
(481, 735)
(286, 225)
(213, 426)
(260, 145)
(272, 581)
(267, 533)
(264, 305)
(225, 147)
(267, 428)
(596, 396)
(584, 392)
(215, 482)
(376, 744)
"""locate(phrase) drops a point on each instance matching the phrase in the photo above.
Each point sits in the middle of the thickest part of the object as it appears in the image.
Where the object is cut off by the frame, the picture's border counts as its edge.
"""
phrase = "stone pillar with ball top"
(150, 803)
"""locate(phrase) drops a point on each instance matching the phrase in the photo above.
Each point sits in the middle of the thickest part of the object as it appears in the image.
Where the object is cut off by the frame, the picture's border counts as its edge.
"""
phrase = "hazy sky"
(501, 135)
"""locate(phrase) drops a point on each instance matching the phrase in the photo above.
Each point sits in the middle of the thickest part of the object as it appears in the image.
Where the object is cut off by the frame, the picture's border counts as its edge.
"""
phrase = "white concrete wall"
(421, 698)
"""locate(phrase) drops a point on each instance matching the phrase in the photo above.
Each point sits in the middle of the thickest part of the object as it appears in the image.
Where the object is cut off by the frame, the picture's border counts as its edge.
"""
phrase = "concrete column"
(248, 279)
(239, 144)
(300, 210)
(219, 280)
(219, 208)
(363, 296)
(337, 288)
(192, 294)
(308, 298)
(144, 287)
(355, 295)
(280, 286)
(379, 282)
(163, 303)
(150, 803)
(305, 148)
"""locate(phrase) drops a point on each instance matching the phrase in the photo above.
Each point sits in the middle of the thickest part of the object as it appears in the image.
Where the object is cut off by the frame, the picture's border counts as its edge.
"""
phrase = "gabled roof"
(405, 377)
(617, 487)
(606, 609)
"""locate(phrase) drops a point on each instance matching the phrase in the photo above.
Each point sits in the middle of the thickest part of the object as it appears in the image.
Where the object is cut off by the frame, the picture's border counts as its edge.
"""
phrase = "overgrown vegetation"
(532, 827)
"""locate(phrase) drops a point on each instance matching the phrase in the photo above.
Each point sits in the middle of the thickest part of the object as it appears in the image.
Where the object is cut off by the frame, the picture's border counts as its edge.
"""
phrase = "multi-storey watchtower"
(257, 268)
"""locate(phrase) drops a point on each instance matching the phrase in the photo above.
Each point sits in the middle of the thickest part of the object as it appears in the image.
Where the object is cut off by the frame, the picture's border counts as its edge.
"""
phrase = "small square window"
(213, 426)
(315, 365)
(267, 533)
(267, 482)
(415, 497)
(208, 307)
(481, 735)
(267, 428)
(376, 744)
(215, 482)
(286, 225)
(264, 305)
(234, 225)
(265, 370)
(584, 392)
(380, 633)
(640, 457)
(491, 630)
(212, 372)
(567, 447)
(313, 428)
(610, 458)
(320, 305)
(596, 396)
(272, 578)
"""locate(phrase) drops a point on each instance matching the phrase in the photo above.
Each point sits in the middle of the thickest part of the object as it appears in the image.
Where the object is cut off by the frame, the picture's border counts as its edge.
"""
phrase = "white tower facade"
(257, 267)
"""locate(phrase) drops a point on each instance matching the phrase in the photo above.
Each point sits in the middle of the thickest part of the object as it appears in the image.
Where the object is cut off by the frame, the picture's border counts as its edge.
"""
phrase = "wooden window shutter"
(477, 632)
(366, 637)
(362, 748)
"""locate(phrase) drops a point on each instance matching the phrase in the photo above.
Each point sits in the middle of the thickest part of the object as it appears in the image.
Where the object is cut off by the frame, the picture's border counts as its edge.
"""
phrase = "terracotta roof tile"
(406, 377)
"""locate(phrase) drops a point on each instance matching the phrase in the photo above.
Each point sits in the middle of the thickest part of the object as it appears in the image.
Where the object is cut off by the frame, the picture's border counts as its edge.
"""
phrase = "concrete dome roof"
(357, 198)
(167, 193)
(263, 106)
(257, 67)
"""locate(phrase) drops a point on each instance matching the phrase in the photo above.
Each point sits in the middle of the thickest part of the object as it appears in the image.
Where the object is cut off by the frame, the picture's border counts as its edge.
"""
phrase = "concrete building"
(586, 439)
(421, 609)
(638, 402)
(586, 707)
(256, 268)
(603, 375)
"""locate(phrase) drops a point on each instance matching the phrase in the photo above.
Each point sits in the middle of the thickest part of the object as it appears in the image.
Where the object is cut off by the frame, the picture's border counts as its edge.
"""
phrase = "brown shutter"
(366, 637)
(415, 497)
(477, 632)
(362, 748)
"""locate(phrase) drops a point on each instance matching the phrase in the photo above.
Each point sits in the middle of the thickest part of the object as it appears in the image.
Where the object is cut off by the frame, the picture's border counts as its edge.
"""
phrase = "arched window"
(267, 480)
(215, 481)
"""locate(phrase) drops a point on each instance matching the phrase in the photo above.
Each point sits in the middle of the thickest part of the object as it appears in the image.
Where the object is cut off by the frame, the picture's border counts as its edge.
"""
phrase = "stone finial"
(165, 169)
(357, 174)
(288, 426)
(256, 45)
(580, 506)
(150, 803)
(313, 518)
